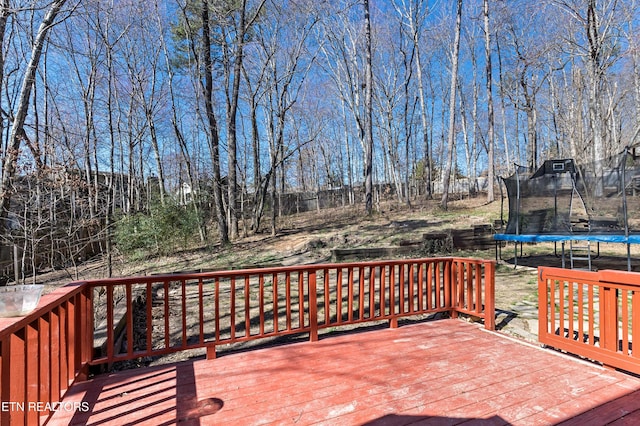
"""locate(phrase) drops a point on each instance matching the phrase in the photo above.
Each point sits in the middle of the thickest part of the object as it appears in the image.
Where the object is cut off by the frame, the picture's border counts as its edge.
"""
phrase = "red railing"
(591, 314)
(155, 315)
(43, 353)
(190, 311)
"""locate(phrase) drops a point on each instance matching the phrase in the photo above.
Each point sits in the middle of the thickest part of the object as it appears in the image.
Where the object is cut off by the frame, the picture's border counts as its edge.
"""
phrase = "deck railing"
(139, 317)
(591, 314)
(43, 353)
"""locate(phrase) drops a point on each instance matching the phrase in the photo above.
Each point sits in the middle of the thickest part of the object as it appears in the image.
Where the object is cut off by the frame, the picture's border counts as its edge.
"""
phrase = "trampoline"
(567, 202)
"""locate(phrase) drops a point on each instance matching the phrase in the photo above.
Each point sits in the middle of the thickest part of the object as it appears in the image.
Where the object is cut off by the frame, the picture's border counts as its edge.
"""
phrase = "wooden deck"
(443, 372)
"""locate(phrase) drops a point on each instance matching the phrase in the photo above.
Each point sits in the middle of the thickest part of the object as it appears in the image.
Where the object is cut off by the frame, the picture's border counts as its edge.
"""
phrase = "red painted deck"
(440, 372)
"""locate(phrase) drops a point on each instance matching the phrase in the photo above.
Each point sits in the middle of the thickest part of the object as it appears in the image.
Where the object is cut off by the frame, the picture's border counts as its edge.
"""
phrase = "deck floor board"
(440, 372)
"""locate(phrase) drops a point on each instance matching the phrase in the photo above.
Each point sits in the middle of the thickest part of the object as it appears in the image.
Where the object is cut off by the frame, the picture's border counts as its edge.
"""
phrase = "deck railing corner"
(591, 314)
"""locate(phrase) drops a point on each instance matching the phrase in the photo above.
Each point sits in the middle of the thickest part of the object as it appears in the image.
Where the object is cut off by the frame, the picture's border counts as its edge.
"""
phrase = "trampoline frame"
(562, 239)
(623, 236)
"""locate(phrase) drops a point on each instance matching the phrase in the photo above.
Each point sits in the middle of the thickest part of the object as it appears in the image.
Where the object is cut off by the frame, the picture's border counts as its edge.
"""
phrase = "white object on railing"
(19, 300)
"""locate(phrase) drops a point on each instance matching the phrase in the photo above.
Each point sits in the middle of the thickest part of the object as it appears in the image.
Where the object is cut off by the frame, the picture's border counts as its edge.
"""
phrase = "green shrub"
(162, 230)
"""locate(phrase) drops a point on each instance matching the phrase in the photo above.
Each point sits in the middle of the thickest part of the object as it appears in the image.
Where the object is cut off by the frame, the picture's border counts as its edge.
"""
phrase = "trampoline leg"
(628, 257)
(515, 254)
(562, 255)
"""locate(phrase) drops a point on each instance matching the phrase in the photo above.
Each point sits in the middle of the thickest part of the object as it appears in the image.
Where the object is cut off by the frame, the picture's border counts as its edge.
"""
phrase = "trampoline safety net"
(567, 198)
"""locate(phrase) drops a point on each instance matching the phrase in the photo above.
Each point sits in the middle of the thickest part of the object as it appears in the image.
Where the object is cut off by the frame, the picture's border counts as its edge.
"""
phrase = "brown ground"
(304, 238)
(310, 237)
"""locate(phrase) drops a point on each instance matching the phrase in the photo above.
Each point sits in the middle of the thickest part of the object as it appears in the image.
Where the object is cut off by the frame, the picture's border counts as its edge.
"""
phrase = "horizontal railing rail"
(591, 314)
(113, 320)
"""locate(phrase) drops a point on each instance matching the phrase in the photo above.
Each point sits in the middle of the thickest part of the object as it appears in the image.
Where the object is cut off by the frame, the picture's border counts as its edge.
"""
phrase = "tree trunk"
(532, 135)
(112, 148)
(232, 189)
(448, 166)
(349, 160)
(503, 109)
(408, 61)
(214, 138)
(368, 111)
(5, 12)
(424, 120)
(490, 119)
(595, 109)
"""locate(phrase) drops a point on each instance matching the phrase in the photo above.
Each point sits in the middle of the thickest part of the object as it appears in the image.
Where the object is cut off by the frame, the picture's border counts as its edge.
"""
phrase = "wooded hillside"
(148, 122)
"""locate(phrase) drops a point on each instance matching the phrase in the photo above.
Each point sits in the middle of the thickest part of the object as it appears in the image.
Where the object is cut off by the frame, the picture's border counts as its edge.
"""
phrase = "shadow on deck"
(438, 372)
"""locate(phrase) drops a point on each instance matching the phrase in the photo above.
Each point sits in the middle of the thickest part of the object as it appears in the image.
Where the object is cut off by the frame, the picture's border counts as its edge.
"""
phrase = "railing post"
(543, 302)
(313, 307)
(450, 288)
(609, 318)
(489, 296)
(454, 285)
(211, 352)
(80, 369)
(87, 326)
(393, 322)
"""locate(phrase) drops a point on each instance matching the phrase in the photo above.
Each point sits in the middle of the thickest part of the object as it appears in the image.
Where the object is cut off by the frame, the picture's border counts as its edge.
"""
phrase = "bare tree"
(178, 131)
(413, 14)
(142, 64)
(344, 50)
(16, 135)
(368, 113)
(244, 22)
(599, 45)
(448, 164)
(490, 119)
(388, 101)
